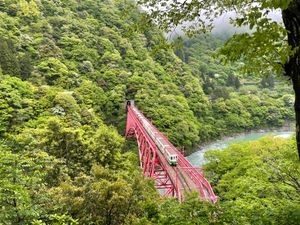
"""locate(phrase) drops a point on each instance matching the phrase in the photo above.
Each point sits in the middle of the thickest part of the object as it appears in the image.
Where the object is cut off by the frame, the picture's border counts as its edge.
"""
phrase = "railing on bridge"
(171, 180)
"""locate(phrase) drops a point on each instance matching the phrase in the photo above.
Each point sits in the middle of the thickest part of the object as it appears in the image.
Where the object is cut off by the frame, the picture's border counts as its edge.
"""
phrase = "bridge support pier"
(150, 163)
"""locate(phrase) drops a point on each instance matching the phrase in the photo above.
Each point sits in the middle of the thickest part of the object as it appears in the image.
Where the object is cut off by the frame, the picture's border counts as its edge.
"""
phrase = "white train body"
(161, 144)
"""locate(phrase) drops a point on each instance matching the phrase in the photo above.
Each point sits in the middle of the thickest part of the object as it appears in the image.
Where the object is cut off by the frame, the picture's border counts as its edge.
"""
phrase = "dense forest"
(66, 69)
(236, 102)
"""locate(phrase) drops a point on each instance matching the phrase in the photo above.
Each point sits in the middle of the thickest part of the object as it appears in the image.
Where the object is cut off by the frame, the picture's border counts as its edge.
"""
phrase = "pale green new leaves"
(264, 49)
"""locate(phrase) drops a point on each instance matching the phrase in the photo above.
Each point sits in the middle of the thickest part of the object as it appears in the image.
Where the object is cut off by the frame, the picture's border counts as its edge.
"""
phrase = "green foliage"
(233, 81)
(91, 95)
(57, 220)
(66, 69)
(23, 194)
(104, 196)
(268, 82)
(190, 212)
(8, 62)
(15, 102)
(257, 182)
(263, 49)
(235, 102)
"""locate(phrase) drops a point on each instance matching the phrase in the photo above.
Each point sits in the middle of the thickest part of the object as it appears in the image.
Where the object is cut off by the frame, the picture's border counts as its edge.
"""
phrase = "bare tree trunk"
(291, 19)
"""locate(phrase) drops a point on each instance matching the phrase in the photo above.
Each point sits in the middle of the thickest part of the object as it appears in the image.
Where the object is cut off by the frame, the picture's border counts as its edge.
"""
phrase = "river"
(196, 158)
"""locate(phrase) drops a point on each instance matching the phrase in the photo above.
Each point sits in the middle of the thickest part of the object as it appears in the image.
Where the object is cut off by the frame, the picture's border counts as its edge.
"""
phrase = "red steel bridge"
(159, 159)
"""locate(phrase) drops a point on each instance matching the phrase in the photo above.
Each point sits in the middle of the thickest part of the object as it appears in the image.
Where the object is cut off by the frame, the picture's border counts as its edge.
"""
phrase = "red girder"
(173, 180)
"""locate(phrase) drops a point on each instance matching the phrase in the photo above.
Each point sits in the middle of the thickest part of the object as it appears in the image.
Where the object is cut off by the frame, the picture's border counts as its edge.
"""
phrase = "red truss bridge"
(160, 160)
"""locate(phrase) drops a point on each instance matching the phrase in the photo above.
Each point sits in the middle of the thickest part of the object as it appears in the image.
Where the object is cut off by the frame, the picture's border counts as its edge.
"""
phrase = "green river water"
(196, 158)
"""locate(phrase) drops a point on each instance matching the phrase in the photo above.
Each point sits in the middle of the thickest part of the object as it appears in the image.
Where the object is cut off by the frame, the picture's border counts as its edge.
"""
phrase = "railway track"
(157, 154)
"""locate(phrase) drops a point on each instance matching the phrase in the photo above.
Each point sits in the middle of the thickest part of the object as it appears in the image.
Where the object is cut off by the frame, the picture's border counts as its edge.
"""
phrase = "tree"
(257, 182)
(190, 212)
(105, 196)
(268, 82)
(23, 195)
(291, 19)
(25, 66)
(220, 92)
(237, 83)
(8, 60)
(264, 49)
(230, 80)
(233, 81)
(14, 102)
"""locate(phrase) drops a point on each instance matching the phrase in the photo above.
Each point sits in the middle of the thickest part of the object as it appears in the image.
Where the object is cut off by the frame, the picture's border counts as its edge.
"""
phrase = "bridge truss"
(172, 181)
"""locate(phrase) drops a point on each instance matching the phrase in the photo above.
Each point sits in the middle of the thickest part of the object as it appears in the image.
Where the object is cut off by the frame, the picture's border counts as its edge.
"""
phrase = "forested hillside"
(66, 68)
(238, 101)
(97, 56)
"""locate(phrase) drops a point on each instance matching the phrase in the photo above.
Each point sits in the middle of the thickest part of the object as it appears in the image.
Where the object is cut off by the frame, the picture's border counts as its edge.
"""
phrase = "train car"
(161, 144)
(165, 148)
(172, 158)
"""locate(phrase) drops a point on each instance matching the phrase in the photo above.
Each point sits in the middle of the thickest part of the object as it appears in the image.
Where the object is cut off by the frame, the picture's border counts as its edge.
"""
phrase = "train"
(161, 143)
